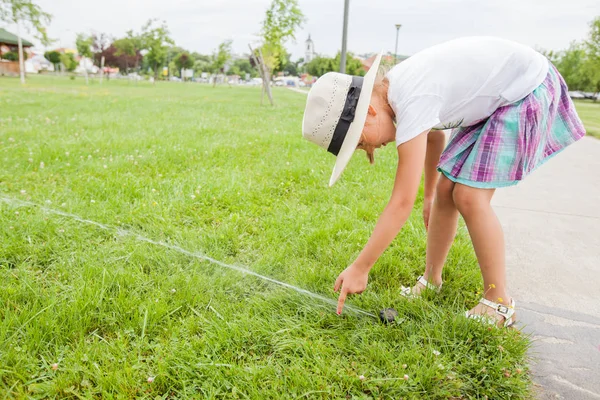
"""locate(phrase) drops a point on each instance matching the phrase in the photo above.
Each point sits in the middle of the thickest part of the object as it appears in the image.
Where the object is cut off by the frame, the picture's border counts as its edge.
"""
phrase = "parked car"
(576, 95)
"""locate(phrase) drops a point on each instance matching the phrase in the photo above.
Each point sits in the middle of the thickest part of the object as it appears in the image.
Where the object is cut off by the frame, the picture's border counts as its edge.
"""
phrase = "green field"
(88, 312)
(590, 115)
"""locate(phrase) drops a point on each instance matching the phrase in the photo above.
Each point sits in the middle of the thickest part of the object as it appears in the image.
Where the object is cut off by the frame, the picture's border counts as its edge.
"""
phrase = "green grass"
(213, 172)
(589, 112)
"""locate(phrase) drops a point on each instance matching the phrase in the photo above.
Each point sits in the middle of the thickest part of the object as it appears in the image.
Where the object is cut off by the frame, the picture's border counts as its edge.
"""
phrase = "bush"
(13, 56)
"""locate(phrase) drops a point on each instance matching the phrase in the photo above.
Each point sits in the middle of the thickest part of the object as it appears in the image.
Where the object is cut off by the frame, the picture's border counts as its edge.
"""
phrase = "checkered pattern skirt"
(516, 139)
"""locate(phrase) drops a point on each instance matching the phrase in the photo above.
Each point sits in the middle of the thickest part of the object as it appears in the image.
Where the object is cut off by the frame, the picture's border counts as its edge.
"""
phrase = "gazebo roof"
(8, 38)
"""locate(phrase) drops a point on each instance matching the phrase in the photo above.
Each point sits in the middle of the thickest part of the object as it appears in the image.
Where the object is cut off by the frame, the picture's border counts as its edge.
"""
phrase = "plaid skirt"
(516, 139)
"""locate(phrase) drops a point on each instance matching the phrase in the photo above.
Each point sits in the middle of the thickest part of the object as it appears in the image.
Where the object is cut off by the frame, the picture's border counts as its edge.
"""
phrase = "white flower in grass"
(173, 290)
(16, 213)
(63, 205)
(30, 160)
(404, 366)
(23, 191)
(68, 164)
(150, 379)
(61, 230)
(92, 201)
(54, 366)
(405, 377)
(105, 166)
(67, 153)
(153, 190)
(42, 165)
(436, 353)
(193, 196)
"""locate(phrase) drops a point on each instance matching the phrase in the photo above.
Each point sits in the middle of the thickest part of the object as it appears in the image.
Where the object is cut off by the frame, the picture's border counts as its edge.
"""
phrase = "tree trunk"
(85, 72)
(101, 69)
(21, 61)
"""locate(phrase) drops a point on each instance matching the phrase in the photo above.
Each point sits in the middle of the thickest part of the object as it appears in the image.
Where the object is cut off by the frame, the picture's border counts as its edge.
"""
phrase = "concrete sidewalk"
(552, 227)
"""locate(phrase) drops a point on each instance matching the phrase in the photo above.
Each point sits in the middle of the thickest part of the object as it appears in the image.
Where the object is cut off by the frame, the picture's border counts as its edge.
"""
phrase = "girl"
(510, 112)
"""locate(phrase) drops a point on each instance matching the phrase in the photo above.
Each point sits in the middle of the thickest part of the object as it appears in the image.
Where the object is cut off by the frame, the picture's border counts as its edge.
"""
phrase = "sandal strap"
(428, 285)
(504, 311)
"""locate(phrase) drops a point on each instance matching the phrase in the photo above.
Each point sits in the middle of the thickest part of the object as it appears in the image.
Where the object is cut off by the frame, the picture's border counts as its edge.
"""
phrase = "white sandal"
(407, 291)
(505, 312)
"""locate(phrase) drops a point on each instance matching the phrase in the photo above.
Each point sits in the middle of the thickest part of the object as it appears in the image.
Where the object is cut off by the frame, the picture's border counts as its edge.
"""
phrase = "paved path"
(552, 228)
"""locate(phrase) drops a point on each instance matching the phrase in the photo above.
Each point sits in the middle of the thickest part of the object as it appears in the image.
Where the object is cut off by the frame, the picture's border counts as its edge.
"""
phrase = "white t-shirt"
(461, 82)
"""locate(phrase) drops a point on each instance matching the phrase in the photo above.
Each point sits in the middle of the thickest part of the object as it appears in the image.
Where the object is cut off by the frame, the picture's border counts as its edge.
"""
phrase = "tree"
(155, 39)
(68, 60)
(220, 58)
(353, 65)
(242, 67)
(290, 69)
(25, 11)
(321, 65)
(591, 65)
(129, 48)
(53, 57)
(84, 48)
(570, 63)
(184, 61)
(282, 19)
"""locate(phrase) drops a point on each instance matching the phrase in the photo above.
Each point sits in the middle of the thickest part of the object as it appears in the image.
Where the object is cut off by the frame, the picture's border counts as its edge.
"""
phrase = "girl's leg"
(488, 241)
(442, 229)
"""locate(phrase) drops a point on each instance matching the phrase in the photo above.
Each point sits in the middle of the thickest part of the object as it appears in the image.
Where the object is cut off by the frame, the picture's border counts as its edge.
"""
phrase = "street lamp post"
(344, 37)
(396, 49)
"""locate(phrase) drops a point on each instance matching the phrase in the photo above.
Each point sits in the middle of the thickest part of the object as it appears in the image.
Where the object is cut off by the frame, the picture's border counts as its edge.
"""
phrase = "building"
(309, 50)
(10, 43)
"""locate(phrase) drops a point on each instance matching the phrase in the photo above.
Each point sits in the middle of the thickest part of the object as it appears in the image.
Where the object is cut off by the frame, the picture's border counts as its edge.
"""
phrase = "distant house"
(9, 42)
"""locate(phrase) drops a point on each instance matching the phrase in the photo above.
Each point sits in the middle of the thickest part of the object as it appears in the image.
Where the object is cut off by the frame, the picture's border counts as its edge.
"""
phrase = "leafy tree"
(25, 11)
(155, 40)
(570, 64)
(184, 61)
(243, 67)
(353, 65)
(321, 65)
(202, 66)
(16, 11)
(84, 48)
(282, 19)
(129, 49)
(290, 69)
(220, 58)
(591, 67)
(53, 57)
(68, 60)
(200, 57)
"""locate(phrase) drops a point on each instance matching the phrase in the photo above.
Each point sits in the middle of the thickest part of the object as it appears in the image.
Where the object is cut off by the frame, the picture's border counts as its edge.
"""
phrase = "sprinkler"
(388, 315)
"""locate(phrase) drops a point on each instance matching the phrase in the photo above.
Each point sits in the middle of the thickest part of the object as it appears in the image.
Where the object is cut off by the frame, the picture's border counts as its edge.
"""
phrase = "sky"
(200, 25)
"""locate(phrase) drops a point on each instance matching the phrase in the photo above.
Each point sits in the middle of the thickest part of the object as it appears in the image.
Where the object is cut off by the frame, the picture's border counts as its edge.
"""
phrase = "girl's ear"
(372, 110)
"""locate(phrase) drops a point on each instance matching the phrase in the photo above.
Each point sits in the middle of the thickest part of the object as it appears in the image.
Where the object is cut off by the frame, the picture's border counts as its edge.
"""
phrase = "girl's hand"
(352, 280)
(427, 204)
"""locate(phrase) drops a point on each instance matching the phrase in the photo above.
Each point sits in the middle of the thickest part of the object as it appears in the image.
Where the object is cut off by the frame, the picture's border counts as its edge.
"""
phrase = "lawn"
(590, 115)
(89, 311)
